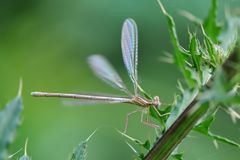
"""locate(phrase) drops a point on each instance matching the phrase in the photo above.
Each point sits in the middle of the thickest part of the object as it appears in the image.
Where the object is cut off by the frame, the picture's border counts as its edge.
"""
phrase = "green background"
(47, 42)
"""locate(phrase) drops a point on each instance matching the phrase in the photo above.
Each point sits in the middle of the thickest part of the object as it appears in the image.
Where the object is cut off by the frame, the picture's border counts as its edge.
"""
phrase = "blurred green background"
(47, 42)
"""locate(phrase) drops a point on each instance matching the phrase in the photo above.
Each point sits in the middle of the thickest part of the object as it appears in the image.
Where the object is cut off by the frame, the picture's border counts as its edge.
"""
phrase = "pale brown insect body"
(137, 100)
(145, 102)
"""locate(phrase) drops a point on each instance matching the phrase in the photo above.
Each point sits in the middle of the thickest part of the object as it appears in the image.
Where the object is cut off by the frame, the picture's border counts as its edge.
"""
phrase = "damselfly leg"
(148, 122)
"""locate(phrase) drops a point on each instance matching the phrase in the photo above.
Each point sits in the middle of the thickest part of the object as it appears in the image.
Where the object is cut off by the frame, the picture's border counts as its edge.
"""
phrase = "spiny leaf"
(213, 29)
(9, 121)
(145, 144)
(195, 55)
(215, 52)
(139, 155)
(162, 113)
(210, 24)
(172, 28)
(25, 156)
(204, 127)
(12, 155)
(224, 140)
(221, 91)
(159, 115)
(209, 45)
(186, 98)
(180, 53)
(178, 156)
(80, 152)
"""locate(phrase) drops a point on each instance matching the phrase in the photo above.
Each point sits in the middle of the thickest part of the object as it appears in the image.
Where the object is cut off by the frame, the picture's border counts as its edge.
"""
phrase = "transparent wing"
(129, 43)
(104, 70)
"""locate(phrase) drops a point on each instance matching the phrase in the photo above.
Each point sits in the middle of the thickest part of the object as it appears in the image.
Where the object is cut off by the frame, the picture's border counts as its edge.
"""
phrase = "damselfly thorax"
(140, 101)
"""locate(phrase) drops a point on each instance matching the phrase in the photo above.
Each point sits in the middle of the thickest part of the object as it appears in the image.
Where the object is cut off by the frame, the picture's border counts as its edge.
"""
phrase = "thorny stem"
(165, 145)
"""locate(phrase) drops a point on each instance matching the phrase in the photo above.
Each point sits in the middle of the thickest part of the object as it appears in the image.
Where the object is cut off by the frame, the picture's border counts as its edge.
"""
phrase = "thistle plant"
(211, 81)
(210, 69)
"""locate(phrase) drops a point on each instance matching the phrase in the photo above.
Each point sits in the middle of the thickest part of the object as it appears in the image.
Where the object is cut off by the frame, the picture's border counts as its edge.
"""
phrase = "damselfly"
(104, 70)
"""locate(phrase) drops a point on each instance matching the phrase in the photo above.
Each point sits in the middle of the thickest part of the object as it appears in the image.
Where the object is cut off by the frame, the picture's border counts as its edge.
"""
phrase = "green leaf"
(210, 24)
(181, 104)
(178, 156)
(9, 121)
(80, 152)
(139, 155)
(204, 127)
(25, 156)
(209, 45)
(224, 140)
(159, 115)
(172, 27)
(221, 91)
(196, 56)
(145, 144)
(180, 53)
(162, 113)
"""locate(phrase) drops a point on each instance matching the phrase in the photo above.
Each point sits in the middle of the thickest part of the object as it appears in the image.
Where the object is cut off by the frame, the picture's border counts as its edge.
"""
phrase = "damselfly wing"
(129, 44)
(104, 70)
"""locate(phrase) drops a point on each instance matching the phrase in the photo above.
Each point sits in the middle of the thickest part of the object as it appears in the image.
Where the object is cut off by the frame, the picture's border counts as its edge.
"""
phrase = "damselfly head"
(156, 102)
